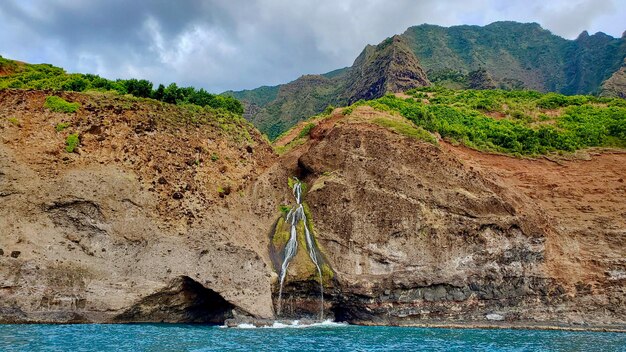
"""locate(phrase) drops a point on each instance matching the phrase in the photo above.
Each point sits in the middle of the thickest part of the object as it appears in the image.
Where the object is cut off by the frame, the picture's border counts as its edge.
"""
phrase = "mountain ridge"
(516, 55)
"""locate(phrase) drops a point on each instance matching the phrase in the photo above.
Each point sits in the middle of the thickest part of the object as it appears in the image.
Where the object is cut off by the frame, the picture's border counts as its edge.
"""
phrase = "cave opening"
(184, 300)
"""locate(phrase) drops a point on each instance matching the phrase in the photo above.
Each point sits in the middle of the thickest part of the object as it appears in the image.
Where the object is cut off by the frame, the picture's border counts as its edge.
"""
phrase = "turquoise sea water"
(164, 337)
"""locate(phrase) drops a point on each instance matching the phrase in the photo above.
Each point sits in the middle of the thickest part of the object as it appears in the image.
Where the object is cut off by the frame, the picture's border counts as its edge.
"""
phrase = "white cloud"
(570, 18)
(229, 44)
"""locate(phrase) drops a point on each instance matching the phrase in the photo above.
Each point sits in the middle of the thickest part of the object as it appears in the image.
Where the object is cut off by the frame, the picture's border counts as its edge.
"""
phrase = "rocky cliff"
(144, 221)
(391, 67)
(615, 86)
(417, 233)
(168, 214)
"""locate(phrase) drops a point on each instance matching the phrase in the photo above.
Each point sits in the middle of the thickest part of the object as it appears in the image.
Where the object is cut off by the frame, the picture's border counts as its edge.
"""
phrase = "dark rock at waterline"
(184, 300)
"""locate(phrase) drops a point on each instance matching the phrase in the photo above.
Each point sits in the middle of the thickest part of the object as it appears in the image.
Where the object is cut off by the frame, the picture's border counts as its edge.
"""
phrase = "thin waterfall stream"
(295, 215)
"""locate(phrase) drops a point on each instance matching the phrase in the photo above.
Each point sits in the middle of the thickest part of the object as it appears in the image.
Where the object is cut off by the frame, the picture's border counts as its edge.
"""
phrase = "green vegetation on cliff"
(56, 104)
(514, 122)
(301, 266)
(71, 142)
(14, 74)
(406, 128)
(517, 55)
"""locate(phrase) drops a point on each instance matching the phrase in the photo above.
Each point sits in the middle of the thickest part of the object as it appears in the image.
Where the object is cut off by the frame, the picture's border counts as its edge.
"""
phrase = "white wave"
(325, 324)
(294, 325)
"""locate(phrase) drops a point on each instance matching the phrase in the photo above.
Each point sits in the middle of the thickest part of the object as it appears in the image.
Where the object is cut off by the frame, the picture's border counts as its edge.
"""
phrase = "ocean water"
(320, 337)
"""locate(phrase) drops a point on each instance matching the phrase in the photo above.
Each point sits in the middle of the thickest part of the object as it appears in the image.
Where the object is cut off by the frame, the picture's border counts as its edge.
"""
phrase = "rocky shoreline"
(264, 323)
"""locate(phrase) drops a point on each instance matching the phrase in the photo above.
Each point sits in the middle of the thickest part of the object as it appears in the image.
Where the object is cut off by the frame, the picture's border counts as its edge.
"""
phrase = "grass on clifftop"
(303, 134)
(406, 129)
(513, 122)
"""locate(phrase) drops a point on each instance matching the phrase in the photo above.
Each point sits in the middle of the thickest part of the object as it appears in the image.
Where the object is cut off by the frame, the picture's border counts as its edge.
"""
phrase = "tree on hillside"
(139, 88)
(172, 94)
(202, 97)
(76, 83)
(229, 103)
(159, 92)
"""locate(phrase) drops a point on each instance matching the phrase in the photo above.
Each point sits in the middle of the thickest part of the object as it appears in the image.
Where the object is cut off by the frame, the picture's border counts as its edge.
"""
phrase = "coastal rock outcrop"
(161, 214)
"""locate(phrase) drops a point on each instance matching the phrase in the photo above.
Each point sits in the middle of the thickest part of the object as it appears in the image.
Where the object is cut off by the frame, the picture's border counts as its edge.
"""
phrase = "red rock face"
(418, 233)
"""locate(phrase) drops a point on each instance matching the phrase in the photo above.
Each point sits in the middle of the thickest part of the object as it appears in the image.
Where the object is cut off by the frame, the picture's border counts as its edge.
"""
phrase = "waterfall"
(295, 215)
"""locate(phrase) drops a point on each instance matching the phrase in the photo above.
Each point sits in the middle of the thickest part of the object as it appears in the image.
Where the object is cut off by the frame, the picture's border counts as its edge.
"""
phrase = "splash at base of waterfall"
(294, 217)
(288, 324)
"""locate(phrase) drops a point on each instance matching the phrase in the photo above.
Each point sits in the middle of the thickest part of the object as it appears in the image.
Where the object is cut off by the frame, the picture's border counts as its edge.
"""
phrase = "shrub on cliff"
(75, 83)
(57, 104)
(71, 142)
(306, 130)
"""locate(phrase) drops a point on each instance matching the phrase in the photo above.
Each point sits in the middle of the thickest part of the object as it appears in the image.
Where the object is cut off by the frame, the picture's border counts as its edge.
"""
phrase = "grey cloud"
(570, 17)
(227, 44)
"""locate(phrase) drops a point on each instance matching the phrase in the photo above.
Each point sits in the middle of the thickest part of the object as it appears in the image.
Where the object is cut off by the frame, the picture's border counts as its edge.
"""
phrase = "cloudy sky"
(236, 44)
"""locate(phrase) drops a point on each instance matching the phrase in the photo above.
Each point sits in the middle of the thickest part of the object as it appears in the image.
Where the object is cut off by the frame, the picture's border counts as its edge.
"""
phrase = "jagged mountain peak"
(387, 68)
(584, 34)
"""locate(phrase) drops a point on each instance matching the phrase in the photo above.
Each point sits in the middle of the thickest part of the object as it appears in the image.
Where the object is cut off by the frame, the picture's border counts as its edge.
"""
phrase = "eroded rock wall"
(143, 223)
(96, 233)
